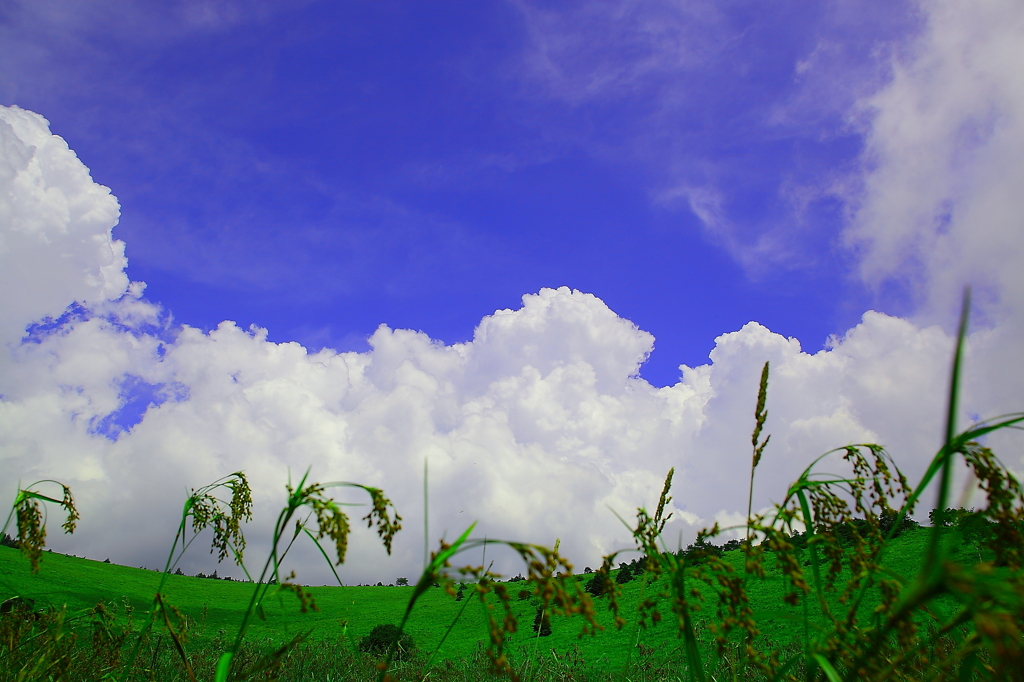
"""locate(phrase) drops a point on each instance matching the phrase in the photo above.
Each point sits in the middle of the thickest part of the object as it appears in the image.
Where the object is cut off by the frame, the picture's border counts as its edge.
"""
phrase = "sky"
(545, 247)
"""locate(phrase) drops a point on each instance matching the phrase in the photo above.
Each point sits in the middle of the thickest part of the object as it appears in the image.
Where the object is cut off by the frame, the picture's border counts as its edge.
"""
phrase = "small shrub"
(387, 639)
(595, 587)
(541, 622)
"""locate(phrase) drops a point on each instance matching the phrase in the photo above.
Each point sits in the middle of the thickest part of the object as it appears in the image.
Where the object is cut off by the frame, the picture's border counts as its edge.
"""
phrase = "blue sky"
(321, 168)
(585, 225)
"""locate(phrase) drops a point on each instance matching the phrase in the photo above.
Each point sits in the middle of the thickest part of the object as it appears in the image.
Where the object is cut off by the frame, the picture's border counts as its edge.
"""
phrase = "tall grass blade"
(425, 582)
(223, 666)
(760, 415)
(827, 668)
(934, 547)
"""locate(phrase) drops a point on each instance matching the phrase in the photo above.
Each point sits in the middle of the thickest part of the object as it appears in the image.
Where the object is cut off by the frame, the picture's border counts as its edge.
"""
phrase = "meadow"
(347, 614)
(836, 583)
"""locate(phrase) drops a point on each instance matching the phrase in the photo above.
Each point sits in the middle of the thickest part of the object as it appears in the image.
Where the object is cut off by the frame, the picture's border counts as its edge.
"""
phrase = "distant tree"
(107, 560)
(951, 517)
(699, 551)
(402, 582)
(178, 571)
(460, 595)
(588, 569)
(380, 584)
(625, 574)
(8, 541)
(888, 519)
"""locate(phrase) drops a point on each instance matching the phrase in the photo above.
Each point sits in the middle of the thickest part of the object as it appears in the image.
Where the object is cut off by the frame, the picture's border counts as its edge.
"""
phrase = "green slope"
(217, 606)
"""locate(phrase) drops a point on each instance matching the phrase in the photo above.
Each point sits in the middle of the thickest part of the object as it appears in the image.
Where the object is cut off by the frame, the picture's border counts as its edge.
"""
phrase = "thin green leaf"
(223, 666)
(829, 671)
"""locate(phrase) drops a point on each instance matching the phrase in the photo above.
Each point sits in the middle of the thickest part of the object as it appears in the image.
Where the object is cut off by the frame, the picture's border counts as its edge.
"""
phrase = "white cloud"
(535, 427)
(56, 246)
(941, 203)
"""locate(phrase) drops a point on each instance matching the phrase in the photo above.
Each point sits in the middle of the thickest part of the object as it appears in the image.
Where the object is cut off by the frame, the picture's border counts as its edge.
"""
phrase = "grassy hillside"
(216, 606)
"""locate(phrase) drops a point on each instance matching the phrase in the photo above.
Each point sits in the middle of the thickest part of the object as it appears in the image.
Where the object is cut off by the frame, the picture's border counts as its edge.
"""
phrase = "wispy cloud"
(715, 99)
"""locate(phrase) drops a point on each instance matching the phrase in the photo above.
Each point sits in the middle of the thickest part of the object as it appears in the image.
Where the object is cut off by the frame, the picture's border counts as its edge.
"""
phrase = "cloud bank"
(539, 426)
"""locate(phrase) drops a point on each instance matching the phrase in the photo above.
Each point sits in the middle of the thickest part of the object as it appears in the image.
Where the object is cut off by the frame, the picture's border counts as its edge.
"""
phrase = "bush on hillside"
(888, 519)
(385, 638)
(541, 622)
(698, 552)
(595, 587)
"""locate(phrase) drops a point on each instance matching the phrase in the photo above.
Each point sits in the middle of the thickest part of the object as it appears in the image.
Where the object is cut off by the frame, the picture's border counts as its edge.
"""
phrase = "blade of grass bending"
(957, 444)
(935, 546)
(427, 577)
(636, 626)
(971, 434)
(223, 666)
(816, 572)
(829, 671)
(174, 638)
(323, 551)
(805, 508)
(14, 506)
(180, 535)
(690, 640)
(784, 669)
(423, 584)
(260, 589)
(458, 617)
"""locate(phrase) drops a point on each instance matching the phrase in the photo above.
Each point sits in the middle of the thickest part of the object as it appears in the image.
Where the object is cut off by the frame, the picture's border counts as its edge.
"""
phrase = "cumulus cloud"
(539, 427)
(56, 246)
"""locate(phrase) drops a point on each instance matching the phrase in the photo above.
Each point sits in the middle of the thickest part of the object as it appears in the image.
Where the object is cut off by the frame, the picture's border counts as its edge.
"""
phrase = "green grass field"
(216, 606)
